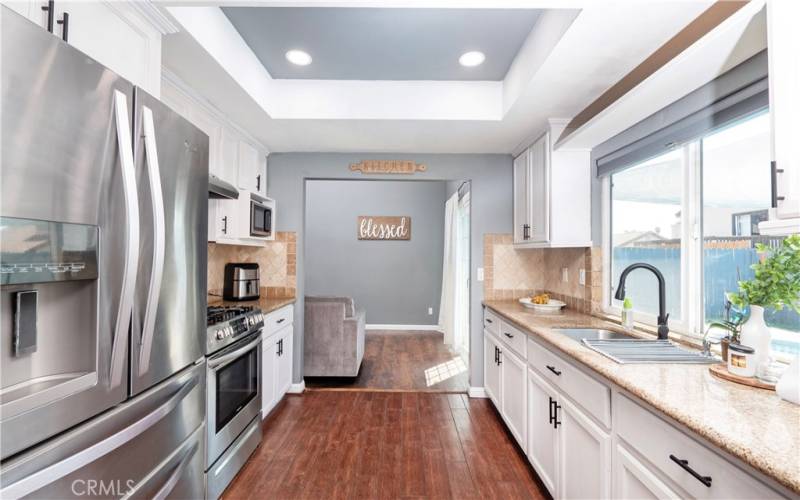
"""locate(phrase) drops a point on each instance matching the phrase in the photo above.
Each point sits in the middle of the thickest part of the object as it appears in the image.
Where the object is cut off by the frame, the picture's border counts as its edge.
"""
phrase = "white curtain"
(447, 303)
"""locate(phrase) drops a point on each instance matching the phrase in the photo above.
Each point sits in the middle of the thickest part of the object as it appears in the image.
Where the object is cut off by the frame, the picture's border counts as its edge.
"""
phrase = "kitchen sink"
(625, 349)
(591, 333)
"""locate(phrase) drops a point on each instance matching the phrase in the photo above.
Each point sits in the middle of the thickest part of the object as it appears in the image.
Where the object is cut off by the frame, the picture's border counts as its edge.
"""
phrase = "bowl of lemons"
(542, 303)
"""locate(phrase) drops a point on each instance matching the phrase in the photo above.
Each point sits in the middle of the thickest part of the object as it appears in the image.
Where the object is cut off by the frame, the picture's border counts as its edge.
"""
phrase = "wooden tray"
(721, 370)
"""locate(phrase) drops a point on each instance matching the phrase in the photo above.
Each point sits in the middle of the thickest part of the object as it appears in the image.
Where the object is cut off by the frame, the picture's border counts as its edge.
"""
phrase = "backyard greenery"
(776, 283)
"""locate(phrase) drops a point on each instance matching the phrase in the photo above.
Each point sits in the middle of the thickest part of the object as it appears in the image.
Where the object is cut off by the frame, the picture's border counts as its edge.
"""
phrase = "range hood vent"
(219, 189)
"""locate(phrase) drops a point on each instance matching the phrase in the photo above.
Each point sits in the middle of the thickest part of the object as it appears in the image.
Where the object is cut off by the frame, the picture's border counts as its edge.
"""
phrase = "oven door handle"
(159, 237)
(221, 361)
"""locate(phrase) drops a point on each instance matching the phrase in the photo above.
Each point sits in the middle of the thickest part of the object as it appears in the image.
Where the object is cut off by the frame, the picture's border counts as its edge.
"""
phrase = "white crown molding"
(155, 17)
(174, 80)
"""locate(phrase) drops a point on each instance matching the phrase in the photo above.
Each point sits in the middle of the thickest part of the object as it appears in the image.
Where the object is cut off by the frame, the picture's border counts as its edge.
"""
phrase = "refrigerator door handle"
(159, 236)
(125, 310)
(76, 461)
(169, 485)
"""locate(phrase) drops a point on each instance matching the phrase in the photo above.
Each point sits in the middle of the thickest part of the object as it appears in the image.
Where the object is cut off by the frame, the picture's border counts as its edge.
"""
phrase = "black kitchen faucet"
(663, 329)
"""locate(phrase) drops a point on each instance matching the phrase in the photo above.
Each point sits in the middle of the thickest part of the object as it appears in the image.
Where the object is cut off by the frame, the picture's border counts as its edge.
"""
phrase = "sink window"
(693, 212)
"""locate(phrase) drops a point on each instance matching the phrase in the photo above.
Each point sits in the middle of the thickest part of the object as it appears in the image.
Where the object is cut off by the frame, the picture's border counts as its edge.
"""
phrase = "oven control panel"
(226, 325)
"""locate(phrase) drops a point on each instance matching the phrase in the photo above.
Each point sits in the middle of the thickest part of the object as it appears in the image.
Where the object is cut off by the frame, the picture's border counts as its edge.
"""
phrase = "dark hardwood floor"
(403, 361)
(349, 445)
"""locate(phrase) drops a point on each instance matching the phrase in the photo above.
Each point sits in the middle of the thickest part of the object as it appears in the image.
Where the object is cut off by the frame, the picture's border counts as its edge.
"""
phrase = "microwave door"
(67, 175)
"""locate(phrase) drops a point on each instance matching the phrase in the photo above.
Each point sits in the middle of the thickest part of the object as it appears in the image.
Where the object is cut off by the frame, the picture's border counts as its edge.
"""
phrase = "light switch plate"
(564, 274)
(430, 311)
(582, 277)
(480, 274)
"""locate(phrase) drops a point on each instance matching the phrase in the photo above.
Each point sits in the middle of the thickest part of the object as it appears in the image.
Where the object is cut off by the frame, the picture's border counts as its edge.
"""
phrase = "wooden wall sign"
(387, 167)
(384, 227)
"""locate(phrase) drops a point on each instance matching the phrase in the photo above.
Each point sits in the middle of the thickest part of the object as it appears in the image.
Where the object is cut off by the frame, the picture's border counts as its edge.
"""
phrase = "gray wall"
(490, 213)
(394, 281)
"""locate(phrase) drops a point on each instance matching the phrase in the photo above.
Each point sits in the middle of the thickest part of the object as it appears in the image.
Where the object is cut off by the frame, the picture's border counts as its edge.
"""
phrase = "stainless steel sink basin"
(591, 333)
(626, 349)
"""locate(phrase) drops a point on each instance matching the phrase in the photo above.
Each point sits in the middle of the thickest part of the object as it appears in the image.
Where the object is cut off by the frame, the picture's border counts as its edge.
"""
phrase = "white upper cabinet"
(552, 194)
(252, 169)
(521, 197)
(784, 102)
(123, 36)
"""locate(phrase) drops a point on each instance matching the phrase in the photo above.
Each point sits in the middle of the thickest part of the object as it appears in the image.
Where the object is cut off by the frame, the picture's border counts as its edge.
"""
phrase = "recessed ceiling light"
(473, 58)
(298, 57)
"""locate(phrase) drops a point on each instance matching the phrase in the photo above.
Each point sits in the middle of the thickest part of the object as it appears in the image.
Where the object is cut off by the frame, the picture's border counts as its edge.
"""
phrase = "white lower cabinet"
(561, 416)
(513, 395)
(276, 359)
(491, 368)
(569, 451)
(633, 480)
(584, 454)
(542, 438)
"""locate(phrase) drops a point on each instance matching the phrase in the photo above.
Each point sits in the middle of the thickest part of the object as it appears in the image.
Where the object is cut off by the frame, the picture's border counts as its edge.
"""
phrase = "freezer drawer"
(149, 447)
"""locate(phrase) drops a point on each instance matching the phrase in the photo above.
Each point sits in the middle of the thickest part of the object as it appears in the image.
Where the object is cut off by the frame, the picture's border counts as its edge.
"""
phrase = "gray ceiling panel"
(384, 44)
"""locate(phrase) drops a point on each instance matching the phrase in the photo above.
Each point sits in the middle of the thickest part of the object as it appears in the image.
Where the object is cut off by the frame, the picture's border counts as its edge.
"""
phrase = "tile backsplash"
(277, 261)
(511, 273)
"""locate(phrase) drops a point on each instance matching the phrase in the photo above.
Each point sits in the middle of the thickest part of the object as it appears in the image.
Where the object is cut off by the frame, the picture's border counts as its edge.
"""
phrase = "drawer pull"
(281, 320)
(685, 466)
(553, 369)
(489, 320)
(508, 335)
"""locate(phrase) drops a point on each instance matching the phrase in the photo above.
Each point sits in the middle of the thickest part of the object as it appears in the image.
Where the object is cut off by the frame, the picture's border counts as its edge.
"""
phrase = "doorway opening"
(403, 289)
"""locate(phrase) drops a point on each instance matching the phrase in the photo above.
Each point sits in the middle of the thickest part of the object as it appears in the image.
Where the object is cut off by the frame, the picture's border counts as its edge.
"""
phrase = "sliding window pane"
(736, 197)
(646, 203)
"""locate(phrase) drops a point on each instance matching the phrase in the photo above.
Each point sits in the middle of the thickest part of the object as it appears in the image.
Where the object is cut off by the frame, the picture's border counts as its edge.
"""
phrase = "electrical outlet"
(480, 274)
(430, 311)
(564, 274)
(582, 277)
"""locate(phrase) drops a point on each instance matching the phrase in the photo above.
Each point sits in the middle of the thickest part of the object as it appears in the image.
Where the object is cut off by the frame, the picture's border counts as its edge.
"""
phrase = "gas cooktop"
(227, 324)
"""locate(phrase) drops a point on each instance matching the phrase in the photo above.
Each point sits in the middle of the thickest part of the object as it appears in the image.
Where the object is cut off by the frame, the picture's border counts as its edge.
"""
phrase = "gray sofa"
(334, 337)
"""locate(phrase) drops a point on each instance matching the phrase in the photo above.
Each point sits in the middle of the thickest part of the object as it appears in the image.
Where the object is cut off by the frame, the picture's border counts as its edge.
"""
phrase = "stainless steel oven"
(234, 392)
(260, 219)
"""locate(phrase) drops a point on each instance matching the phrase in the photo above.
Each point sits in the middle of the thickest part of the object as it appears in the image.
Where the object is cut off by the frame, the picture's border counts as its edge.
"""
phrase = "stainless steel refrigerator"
(103, 217)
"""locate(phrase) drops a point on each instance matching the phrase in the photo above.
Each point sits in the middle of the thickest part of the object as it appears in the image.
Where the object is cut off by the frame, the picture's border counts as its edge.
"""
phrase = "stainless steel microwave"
(260, 219)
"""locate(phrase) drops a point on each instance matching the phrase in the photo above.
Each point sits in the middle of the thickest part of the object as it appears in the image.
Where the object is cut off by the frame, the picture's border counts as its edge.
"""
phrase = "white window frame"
(691, 322)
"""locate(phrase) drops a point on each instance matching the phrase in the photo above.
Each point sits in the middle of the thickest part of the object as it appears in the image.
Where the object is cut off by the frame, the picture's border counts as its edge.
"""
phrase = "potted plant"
(732, 337)
(775, 284)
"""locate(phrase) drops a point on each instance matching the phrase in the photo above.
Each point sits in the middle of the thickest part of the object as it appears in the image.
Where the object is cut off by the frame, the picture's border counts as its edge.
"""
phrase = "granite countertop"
(754, 425)
(267, 305)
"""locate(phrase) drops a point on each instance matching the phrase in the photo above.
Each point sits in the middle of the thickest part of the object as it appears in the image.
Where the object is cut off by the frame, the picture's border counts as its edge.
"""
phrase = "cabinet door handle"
(774, 184)
(225, 225)
(495, 355)
(526, 231)
(64, 22)
(556, 407)
(553, 369)
(258, 182)
(51, 12)
(685, 466)
(550, 408)
(508, 335)
(499, 357)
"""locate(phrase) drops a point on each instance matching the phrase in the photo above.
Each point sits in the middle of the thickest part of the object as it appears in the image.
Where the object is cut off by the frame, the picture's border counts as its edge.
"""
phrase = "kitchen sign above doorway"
(388, 228)
(388, 167)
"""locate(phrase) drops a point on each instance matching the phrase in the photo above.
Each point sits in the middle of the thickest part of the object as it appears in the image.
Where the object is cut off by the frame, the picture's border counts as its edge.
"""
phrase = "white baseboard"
(297, 388)
(427, 328)
(477, 392)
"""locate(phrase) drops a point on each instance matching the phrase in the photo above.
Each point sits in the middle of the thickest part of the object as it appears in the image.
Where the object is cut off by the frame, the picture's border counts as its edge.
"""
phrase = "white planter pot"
(756, 334)
(788, 387)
